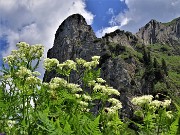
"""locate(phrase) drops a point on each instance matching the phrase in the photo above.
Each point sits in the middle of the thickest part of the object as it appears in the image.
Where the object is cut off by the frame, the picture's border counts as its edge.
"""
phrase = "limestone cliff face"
(164, 33)
(75, 39)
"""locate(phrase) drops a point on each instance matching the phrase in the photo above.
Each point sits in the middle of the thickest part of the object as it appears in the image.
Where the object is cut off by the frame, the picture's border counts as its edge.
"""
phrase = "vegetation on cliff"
(30, 106)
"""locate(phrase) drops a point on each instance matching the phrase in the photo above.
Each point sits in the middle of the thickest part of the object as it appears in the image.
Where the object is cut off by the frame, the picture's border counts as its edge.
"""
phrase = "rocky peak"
(71, 34)
(163, 33)
(121, 37)
(148, 33)
(73, 39)
(74, 26)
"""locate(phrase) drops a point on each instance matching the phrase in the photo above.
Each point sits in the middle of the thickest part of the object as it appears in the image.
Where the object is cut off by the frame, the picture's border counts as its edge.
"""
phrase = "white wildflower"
(99, 87)
(11, 123)
(36, 73)
(71, 64)
(9, 59)
(86, 97)
(87, 65)
(45, 84)
(95, 58)
(91, 83)
(94, 63)
(169, 114)
(100, 80)
(80, 61)
(113, 101)
(22, 72)
(60, 66)
(166, 103)
(116, 107)
(156, 103)
(22, 45)
(105, 89)
(49, 64)
(7, 77)
(53, 85)
(40, 50)
(59, 81)
(74, 87)
(110, 111)
(119, 105)
(77, 95)
(112, 91)
(32, 80)
(146, 99)
(83, 103)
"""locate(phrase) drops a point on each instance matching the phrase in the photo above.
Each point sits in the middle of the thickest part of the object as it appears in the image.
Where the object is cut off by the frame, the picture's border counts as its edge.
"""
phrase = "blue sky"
(104, 10)
(36, 21)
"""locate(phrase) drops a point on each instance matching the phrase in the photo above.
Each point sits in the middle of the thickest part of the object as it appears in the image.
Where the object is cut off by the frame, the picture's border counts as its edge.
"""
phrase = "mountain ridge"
(122, 61)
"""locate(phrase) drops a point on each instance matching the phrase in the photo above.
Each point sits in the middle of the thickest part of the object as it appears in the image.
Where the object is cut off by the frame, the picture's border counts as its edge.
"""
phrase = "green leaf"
(67, 128)
(93, 127)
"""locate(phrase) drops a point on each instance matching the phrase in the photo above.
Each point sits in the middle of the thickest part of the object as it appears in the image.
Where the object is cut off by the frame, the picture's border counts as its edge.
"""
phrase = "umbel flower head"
(148, 99)
(24, 54)
(50, 64)
(23, 71)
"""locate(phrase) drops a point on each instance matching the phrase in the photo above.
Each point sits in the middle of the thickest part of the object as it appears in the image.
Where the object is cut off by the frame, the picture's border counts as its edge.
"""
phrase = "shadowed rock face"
(75, 39)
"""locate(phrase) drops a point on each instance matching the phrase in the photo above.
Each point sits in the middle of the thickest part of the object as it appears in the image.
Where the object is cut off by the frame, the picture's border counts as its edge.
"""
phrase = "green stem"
(159, 124)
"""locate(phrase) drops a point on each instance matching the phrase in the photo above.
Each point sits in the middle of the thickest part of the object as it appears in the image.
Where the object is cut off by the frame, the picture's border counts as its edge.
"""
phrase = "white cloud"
(103, 31)
(36, 21)
(140, 12)
(110, 11)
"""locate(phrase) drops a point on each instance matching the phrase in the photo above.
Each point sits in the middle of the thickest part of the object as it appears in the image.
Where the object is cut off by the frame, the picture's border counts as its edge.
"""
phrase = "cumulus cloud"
(140, 12)
(103, 31)
(36, 21)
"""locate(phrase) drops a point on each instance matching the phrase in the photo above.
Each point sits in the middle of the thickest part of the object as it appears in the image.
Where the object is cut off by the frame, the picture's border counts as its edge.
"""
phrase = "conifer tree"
(164, 67)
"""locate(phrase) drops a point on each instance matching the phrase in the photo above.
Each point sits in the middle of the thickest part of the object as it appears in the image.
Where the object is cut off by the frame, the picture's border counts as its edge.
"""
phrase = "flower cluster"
(93, 63)
(105, 90)
(86, 97)
(80, 61)
(116, 105)
(74, 87)
(70, 64)
(10, 59)
(25, 53)
(95, 58)
(140, 101)
(66, 67)
(148, 99)
(50, 64)
(90, 65)
(32, 80)
(100, 80)
(61, 83)
(23, 71)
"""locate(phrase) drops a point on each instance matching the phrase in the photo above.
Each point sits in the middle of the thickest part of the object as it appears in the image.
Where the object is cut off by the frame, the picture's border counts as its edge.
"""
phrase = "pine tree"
(164, 67)
(155, 63)
(145, 56)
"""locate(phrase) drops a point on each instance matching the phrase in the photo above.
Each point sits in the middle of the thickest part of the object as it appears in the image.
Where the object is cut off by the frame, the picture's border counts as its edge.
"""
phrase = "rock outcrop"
(75, 39)
(163, 33)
